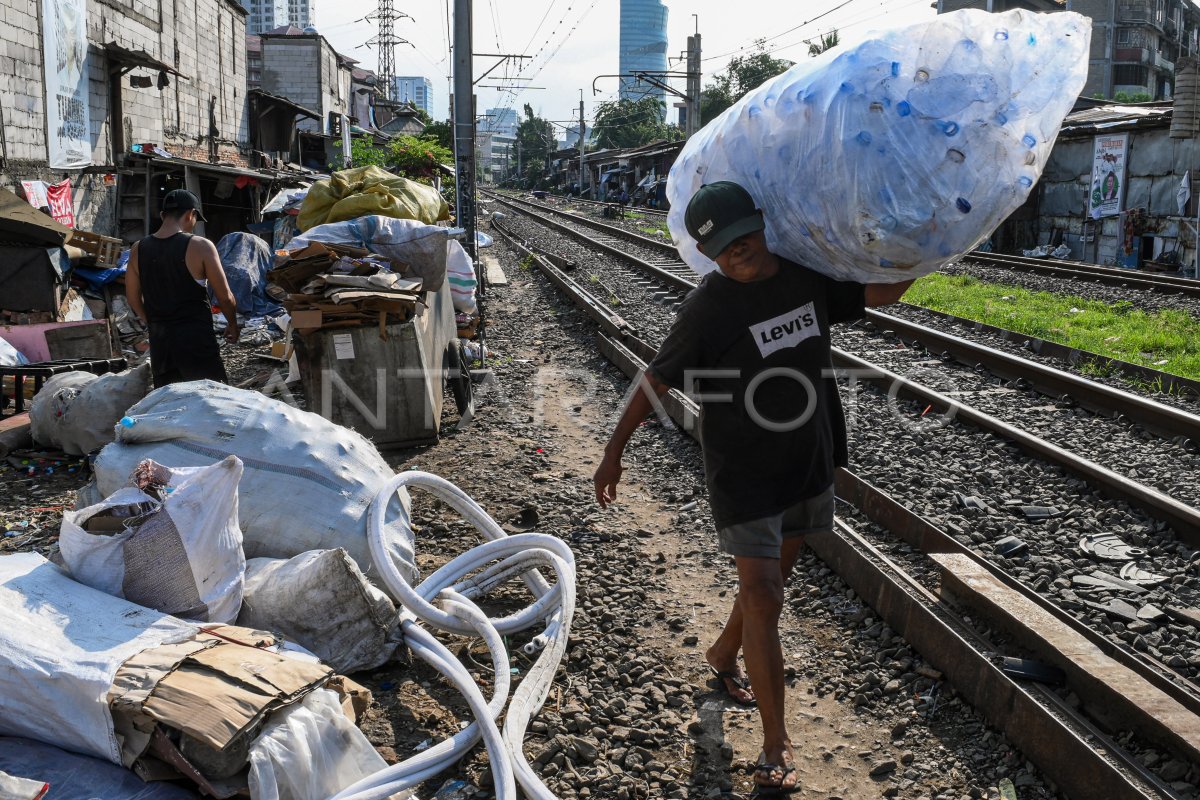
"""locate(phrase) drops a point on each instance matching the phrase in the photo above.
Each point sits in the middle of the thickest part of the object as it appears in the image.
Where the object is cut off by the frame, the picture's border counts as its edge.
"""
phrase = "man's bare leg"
(723, 654)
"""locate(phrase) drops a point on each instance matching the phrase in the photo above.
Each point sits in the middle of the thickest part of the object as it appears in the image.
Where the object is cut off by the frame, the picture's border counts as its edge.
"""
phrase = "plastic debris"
(1039, 513)
(1152, 613)
(455, 790)
(1011, 547)
(1141, 577)
(1027, 669)
(1102, 581)
(1108, 546)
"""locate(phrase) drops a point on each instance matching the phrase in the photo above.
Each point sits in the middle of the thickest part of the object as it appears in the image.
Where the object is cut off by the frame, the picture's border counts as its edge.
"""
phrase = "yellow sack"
(364, 191)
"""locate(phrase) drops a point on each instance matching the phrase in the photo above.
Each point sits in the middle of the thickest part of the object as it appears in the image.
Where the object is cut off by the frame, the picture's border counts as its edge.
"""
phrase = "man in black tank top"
(167, 284)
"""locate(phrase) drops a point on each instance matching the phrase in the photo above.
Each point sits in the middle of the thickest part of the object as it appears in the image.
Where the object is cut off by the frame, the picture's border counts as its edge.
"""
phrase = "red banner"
(61, 207)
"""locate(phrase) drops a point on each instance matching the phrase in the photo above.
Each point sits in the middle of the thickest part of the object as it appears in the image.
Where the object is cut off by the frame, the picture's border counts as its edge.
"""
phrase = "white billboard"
(65, 50)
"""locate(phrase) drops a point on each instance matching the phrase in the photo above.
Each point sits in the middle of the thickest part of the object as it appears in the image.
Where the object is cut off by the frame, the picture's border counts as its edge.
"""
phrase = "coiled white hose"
(500, 558)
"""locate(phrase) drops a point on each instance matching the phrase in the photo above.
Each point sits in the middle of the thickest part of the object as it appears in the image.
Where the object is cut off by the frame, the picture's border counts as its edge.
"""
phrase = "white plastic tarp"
(61, 644)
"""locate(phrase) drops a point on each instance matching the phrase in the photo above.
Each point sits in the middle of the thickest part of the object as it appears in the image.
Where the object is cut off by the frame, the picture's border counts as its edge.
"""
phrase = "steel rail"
(668, 249)
(652, 212)
(1070, 355)
(1090, 272)
(1163, 419)
(666, 276)
(1184, 519)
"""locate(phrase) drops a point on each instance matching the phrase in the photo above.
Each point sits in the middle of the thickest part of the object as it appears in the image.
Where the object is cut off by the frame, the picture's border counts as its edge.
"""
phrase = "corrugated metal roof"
(1117, 117)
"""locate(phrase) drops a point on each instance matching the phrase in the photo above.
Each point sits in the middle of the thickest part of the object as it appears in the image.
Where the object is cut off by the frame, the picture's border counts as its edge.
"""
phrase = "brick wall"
(203, 39)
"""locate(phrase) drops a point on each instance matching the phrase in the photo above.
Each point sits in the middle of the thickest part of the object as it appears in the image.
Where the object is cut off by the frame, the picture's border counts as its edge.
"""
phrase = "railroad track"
(1115, 696)
(653, 213)
(1079, 270)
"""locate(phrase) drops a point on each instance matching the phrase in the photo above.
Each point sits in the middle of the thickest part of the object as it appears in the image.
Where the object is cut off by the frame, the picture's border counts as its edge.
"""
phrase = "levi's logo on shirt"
(786, 330)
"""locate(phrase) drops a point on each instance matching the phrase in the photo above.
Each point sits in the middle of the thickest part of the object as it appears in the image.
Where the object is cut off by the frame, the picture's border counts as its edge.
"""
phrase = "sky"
(572, 42)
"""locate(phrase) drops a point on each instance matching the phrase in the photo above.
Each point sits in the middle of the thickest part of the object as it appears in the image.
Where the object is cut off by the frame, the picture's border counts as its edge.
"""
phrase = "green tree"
(630, 123)
(742, 74)
(363, 153)
(441, 132)
(417, 157)
(826, 41)
(536, 140)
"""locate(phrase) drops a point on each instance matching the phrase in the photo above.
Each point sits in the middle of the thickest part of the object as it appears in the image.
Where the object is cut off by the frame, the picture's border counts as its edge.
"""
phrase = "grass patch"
(651, 230)
(1167, 340)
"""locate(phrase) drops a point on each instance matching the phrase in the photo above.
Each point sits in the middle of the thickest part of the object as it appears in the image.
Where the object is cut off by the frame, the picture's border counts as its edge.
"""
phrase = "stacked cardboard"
(337, 286)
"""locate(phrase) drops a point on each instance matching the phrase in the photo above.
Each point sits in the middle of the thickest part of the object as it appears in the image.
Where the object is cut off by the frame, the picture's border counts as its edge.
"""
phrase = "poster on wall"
(1107, 197)
(62, 208)
(64, 49)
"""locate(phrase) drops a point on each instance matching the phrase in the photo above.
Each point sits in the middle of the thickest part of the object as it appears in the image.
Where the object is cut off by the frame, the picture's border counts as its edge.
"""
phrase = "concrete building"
(1135, 43)
(265, 15)
(91, 92)
(304, 68)
(414, 89)
(496, 155)
(500, 120)
(301, 13)
(643, 46)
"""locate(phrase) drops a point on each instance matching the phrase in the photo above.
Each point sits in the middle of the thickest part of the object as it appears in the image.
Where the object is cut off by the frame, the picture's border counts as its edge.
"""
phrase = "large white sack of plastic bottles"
(880, 161)
(306, 483)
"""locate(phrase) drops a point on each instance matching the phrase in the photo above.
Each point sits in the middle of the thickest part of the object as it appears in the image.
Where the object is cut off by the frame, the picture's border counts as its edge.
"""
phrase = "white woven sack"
(61, 644)
(77, 411)
(307, 484)
(321, 601)
(184, 559)
(883, 160)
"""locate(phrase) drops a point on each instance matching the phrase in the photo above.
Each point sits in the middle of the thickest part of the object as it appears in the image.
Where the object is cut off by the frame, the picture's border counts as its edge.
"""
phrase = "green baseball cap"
(719, 213)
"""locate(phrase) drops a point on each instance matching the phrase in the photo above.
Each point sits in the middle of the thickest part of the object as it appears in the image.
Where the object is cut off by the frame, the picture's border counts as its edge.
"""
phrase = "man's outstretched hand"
(608, 474)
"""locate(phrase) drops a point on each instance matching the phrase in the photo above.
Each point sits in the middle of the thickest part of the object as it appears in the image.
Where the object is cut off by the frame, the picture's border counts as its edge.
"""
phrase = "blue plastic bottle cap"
(128, 422)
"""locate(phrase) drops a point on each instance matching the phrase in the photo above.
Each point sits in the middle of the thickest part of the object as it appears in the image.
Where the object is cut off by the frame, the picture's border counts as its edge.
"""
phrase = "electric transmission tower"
(387, 40)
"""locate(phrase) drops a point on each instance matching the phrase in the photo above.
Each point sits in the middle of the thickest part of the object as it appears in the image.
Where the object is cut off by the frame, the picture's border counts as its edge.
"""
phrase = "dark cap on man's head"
(182, 200)
(719, 213)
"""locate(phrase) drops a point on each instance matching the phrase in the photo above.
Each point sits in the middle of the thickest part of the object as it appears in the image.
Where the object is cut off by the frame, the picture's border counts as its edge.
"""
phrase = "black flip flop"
(768, 790)
(739, 681)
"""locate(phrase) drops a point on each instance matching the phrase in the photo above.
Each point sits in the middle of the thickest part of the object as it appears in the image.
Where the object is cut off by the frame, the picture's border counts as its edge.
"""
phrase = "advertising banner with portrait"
(1107, 196)
(65, 49)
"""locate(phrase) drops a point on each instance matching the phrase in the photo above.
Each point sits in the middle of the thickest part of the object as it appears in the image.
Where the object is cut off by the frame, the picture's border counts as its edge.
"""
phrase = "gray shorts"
(763, 538)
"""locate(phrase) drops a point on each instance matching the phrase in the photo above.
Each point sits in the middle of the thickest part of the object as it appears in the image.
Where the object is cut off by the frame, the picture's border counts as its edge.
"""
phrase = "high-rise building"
(1135, 43)
(500, 120)
(415, 89)
(643, 46)
(301, 13)
(265, 15)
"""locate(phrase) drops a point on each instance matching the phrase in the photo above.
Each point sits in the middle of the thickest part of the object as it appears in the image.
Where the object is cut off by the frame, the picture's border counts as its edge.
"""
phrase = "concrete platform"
(1107, 688)
(493, 274)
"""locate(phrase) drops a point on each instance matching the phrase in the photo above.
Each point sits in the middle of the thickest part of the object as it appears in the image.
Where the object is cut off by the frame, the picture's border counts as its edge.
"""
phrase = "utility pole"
(520, 168)
(693, 85)
(464, 130)
(582, 128)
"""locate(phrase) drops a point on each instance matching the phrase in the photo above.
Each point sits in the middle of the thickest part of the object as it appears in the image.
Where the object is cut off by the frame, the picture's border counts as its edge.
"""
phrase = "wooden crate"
(105, 249)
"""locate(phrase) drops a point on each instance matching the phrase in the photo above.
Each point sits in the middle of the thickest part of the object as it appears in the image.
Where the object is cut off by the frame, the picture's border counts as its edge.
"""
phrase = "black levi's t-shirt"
(756, 358)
